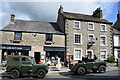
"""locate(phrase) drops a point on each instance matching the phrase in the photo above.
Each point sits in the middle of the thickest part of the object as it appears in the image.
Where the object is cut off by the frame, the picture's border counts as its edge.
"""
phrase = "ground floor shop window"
(54, 55)
(5, 53)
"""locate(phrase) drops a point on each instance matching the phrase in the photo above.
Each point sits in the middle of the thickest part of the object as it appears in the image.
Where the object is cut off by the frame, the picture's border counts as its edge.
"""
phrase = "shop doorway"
(37, 57)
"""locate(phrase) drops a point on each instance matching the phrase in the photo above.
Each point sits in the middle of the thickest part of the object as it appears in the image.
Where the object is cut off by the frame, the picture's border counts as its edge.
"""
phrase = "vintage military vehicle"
(19, 65)
(87, 66)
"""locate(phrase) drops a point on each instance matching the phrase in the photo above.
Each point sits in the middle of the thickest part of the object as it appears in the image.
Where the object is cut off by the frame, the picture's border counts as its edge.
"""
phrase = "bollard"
(117, 62)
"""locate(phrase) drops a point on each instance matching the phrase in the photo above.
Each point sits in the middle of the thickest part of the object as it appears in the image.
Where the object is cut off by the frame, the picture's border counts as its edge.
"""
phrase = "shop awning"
(51, 48)
(15, 47)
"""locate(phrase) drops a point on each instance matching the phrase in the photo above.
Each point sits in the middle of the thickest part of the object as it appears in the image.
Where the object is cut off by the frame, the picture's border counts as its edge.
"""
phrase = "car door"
(26, 65)
(90, 64)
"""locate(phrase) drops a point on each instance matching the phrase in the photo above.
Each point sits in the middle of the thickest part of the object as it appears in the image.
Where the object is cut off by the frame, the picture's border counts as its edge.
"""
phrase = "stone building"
(86, 34)
(116, 37)
(41, 40)
(73, 35)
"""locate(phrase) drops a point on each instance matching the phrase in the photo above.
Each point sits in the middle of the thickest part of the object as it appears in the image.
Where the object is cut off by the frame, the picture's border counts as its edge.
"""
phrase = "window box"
(15, 41)
(48, 42)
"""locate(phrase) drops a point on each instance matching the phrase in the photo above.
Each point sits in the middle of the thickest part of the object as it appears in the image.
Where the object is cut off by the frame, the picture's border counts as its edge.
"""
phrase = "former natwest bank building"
(73, 34)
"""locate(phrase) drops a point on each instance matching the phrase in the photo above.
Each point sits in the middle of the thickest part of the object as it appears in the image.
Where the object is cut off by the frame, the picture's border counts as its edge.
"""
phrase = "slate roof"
(117, 24)
(84, 17)
(116, 31)
(34, 26)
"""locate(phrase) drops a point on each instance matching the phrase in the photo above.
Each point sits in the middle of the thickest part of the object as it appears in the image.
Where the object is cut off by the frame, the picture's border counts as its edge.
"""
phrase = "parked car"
(87, 66)
(19, 65)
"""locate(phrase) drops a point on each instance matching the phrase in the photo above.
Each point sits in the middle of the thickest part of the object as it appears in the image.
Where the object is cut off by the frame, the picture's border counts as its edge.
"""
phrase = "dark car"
(87, 66)
(19, 65)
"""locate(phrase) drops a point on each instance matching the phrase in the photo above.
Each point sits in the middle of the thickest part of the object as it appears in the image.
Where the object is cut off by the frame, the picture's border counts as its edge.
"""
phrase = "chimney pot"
(118, 15)
(97, 13)
(60, 9)
(12, 19)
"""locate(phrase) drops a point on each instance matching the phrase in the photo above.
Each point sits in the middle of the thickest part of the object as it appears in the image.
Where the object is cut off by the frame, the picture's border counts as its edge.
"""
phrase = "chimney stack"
(118, 15)
(12, 20)
(60, 9)
(98, 13)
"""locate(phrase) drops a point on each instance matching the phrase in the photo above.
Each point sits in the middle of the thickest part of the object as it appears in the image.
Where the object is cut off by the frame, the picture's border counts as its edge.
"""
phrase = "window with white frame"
(103, 54)
(102, 27)
(103, 40)
(91, 37)
(77, 38)
(90, 26)
(77, 54)
(76, 24)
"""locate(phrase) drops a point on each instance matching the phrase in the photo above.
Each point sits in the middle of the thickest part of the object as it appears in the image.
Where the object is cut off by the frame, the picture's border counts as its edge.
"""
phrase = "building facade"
(86, 34)
(73, 34)
(41, 40)
(116, 37)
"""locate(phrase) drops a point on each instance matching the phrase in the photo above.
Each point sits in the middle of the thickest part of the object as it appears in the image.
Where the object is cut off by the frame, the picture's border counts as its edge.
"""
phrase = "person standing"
(5, 55)
(95, 57)
(69, 59)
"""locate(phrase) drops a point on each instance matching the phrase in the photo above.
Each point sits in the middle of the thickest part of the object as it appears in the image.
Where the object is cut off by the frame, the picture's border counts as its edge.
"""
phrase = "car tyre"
(102, 69)
(81, 71)
(15, 73)
(41, 73)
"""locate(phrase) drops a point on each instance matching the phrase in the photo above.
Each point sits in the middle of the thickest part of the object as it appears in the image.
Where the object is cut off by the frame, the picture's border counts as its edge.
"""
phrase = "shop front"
(53, 53)
(13, 50)
(116, 53)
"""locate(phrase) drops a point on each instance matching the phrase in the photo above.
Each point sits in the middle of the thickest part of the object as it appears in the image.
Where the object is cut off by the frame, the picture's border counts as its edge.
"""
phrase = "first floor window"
(103, 41)
(49, 37)
(77, 38)
(103, 54)
(77, 55)
(18, 36)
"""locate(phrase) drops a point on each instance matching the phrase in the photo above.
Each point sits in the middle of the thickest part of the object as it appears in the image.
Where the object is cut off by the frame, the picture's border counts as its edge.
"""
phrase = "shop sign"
(15, 47)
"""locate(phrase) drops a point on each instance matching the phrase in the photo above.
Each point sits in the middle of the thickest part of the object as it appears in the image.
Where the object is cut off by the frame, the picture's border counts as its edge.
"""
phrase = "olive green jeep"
(19, 65)
(87, 66)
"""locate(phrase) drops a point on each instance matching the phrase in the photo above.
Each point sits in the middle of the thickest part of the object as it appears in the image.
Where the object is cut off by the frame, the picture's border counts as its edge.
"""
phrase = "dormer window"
(90, 26)
(76, 25)
(103, 27)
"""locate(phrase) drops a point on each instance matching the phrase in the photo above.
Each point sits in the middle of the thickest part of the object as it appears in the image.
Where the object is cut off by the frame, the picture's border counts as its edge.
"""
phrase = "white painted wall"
(116, 54)
(116, 40)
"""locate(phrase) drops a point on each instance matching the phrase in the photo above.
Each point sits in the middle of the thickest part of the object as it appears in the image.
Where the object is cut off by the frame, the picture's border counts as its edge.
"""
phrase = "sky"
(48, 11)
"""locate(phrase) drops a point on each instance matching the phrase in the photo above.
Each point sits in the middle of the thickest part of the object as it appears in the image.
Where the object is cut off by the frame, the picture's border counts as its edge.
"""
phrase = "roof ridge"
(78, 13)
(34, 21)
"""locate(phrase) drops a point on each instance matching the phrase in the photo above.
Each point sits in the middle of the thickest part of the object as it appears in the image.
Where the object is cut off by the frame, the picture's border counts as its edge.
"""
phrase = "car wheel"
(102, 69)
(81, 71)
(15, 73)
(41, 73)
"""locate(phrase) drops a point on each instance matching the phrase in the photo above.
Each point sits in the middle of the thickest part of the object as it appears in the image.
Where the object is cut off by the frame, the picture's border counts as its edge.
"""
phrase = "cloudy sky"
(47, 11)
